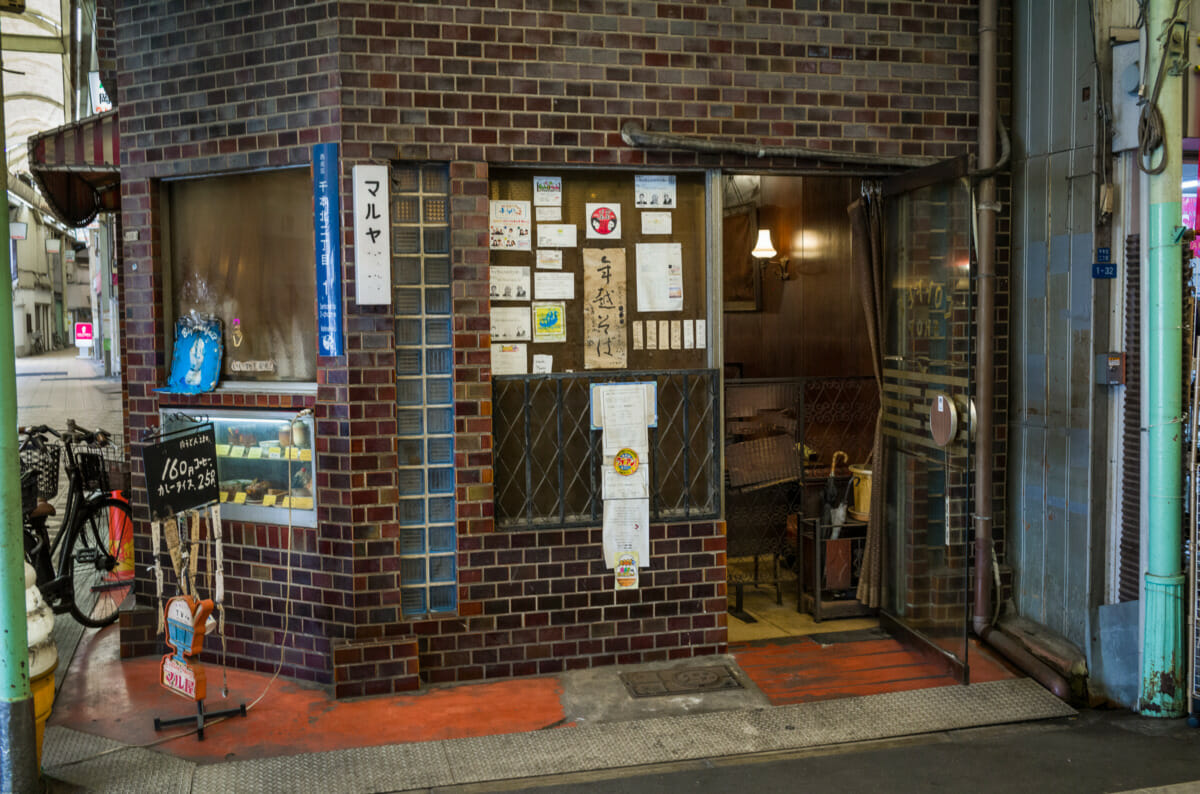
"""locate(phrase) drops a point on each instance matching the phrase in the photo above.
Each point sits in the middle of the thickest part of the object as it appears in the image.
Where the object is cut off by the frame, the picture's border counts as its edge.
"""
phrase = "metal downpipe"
(985, 369)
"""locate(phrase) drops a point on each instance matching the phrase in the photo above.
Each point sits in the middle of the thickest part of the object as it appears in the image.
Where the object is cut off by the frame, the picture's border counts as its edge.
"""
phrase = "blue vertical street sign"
(326, 215)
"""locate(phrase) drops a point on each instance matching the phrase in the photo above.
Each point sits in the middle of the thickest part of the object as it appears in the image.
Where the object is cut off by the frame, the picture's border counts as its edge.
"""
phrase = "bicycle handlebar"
(73, 433)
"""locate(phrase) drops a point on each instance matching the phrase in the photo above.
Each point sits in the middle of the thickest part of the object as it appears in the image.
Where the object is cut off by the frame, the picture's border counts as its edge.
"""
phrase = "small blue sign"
(1104, 270)
(326, 217)
(1104, 254)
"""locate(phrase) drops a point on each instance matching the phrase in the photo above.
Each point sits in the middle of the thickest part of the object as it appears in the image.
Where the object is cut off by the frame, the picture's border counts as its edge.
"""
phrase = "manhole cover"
(654, 683)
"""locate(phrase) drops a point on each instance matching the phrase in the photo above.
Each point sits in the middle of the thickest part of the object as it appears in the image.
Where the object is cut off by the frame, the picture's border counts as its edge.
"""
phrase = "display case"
(264, 464)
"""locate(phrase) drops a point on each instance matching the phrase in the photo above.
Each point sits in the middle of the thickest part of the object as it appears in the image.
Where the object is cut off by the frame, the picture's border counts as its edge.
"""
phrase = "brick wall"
(235, 86)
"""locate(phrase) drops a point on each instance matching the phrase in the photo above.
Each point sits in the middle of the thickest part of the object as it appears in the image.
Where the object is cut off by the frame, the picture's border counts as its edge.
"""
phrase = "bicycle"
(77, 567)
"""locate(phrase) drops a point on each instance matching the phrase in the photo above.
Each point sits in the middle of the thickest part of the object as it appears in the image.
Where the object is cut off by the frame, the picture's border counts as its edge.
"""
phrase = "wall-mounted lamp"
(764, 250)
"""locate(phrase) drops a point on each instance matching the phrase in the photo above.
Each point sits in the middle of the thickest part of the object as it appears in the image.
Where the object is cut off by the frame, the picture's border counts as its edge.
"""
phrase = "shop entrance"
(802, 394)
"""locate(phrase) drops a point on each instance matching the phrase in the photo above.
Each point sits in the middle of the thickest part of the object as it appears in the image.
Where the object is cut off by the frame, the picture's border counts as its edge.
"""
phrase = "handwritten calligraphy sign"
(604, 308)
(372, 242)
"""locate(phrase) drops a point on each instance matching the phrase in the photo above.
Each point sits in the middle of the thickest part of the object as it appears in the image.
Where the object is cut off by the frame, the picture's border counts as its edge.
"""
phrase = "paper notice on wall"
(510, 323)
(604, 308)
(509, 284)
(624, 416)
(638, 335)
(547, 191)
(651, 335)
(509, 359)
(549, 322)
(656, 223)
(616, 392)
(549, 259)
(542, 364)
(554, 286)
(509, 225)
(556, 235)
(701, 334)
(619, 482)
(664, 334)
(626, 529)
(547, 214)
(654, 190)
(659, 277)
(689, 335)
(676, 335)
(625, 568)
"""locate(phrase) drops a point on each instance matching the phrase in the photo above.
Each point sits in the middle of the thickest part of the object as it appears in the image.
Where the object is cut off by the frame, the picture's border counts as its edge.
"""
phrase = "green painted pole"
(18, 744)
(1164, 688)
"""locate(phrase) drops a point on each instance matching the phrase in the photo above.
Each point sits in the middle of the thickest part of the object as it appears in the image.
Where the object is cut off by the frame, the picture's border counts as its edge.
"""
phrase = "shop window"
(587, 241)
(241, 248)
(424, 388)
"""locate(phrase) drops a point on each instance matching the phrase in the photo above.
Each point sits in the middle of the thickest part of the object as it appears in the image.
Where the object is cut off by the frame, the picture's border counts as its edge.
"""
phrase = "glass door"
(927, 349)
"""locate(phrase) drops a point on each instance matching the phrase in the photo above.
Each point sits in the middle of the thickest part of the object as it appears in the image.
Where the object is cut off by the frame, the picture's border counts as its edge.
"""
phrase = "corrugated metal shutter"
(1129, 581)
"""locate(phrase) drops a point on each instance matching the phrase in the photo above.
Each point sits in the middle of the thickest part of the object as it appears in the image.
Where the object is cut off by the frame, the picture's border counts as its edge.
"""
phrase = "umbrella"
(833, 507)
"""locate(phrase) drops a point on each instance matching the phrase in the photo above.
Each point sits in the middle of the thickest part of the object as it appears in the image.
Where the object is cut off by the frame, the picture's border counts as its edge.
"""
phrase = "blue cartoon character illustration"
(196, 362)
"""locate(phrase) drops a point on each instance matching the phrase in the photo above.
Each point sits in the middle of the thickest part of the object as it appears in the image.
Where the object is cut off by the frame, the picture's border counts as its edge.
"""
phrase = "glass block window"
(424, 388)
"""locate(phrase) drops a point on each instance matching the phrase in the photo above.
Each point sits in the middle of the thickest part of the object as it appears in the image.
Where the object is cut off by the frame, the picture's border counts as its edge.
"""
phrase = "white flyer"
(651, 335)
(618, 484)
(547, 191)
(510, 323)
(654, 190)
(547, 214)
(509, 284)
(554, 286)
(549, 259)
(603, 220)
(623, 416)
(689, 336)
(509, 359)
(627, 528)
(676, 335)
(664, 334)
(509, 225)
(556, 235)
(656, 223)
(659, 277)
(542, 364)
(701, 334)
(638, 344)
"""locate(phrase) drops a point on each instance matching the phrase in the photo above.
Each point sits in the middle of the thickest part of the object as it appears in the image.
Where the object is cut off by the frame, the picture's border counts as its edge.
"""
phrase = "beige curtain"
(866, 222)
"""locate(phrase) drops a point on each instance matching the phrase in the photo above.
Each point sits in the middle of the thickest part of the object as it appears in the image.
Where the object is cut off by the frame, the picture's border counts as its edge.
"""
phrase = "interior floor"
(774, 620)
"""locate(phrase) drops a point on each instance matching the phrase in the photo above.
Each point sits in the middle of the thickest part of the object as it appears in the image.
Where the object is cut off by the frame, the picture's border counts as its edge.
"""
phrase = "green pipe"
(1164, 686)
(18, 748)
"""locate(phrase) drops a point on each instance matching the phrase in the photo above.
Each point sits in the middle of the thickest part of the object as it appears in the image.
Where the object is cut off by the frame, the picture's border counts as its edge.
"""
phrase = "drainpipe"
(18, 747)
(1164, 689)
(985, 369)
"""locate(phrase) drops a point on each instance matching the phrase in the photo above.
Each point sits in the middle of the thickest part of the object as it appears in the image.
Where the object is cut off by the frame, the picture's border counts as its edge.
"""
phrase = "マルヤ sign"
(181, 471)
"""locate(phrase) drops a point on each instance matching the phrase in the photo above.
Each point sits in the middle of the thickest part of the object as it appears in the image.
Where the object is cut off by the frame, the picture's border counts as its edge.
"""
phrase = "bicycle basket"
(101, 467)
(43, 461)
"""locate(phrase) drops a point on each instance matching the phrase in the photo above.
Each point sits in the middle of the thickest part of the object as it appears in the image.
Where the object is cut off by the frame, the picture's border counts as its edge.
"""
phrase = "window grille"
(548, 458)
(424, 388)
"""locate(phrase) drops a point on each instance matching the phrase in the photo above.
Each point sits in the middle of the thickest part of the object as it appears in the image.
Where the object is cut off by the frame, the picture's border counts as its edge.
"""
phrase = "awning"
(78, 167)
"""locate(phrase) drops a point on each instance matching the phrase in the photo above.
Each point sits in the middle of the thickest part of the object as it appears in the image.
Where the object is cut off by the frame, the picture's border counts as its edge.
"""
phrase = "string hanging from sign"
(156, 550)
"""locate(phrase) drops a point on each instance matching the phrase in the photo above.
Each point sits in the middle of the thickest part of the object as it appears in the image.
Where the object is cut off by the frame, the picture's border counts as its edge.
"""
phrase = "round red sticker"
(604, 220)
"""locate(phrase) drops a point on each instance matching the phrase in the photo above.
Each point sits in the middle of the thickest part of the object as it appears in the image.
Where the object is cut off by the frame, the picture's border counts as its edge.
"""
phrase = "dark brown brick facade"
(225, 87)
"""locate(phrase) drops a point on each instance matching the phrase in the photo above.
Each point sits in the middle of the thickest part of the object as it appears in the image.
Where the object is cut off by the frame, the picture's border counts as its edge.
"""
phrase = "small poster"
(542, 364)
(651, 335)
(549, 259)
(660, 277)
(676, 335)
(603, 221)
(604, 309)
(547, 214)
(550, 322)
(509, 359)
(656, 223)
(638, 342)
(509, 284)
(509, 226)
(556, 235)
(554, 286)
(626, 570)
(689, 336)
(654, 190)
(701, 334)
(627, 529)
(510, 323)
(547, 191)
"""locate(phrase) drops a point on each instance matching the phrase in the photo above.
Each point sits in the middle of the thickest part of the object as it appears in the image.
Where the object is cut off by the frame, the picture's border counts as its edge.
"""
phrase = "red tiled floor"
(800, 670)
(105, 696)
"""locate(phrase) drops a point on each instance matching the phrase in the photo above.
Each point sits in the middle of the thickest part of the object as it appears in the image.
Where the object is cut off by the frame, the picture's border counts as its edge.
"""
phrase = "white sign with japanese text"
(372, 239)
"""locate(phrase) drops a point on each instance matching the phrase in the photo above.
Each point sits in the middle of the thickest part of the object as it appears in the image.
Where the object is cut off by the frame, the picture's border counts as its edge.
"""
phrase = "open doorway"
(800, 407)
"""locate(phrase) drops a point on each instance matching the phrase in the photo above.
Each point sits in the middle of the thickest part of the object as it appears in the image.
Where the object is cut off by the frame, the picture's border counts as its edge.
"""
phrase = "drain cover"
(654, 683)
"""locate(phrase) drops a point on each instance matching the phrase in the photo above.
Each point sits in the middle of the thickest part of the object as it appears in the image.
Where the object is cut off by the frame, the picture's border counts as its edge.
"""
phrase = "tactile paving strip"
(563, 750)
(110, 766)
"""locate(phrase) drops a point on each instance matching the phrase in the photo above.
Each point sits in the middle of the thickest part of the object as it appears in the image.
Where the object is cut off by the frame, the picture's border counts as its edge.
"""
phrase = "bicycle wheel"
(103, 529)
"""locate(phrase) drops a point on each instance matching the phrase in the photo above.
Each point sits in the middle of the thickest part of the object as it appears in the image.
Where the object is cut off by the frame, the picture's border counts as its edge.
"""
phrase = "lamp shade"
(763, 249)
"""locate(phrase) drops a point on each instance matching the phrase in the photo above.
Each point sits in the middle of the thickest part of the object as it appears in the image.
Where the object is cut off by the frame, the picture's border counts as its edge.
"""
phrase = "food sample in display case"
(264, 465)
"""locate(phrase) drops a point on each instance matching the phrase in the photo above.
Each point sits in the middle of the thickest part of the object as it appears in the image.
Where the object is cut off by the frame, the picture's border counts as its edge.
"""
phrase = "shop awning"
(78, 167)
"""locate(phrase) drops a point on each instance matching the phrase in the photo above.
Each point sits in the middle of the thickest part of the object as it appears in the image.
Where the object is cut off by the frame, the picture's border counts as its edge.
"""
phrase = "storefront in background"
(457, 465)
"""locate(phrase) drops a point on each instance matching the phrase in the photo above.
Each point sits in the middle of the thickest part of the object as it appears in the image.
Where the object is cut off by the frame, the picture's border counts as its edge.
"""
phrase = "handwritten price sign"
(181, 471)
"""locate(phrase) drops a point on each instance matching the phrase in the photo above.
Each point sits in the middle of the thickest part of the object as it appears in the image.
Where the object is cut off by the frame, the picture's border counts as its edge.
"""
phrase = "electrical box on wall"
(1126, 79)
(1110, 369)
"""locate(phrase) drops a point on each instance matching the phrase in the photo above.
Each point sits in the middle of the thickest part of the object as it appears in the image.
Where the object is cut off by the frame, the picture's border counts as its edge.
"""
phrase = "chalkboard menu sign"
(181, 471)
